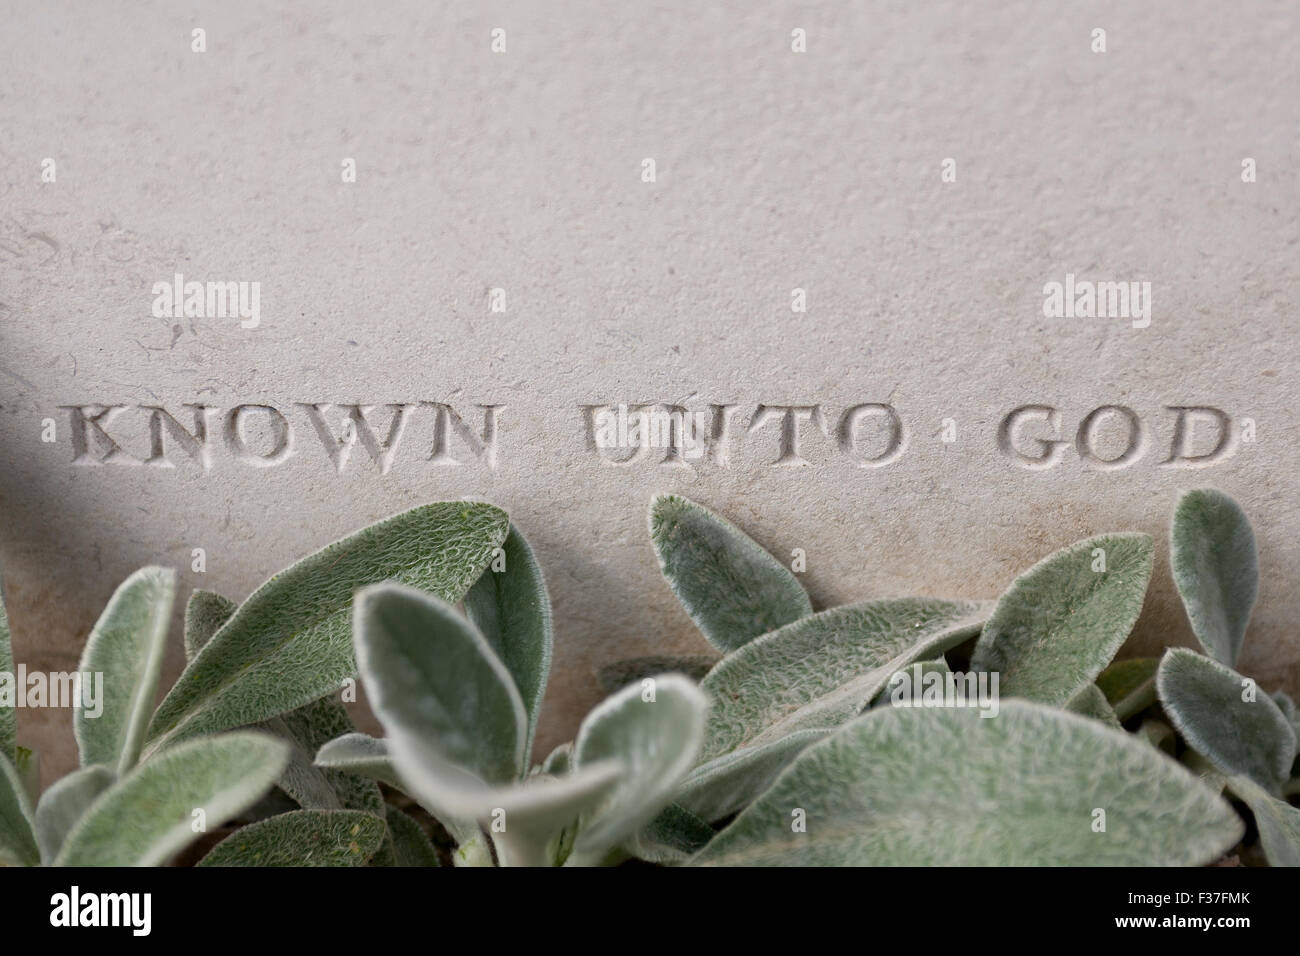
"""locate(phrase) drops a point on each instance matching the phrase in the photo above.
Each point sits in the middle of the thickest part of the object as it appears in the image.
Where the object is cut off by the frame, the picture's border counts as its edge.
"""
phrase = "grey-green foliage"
(1060, 623)
(456, 730)
(1090, 701)
(1224, 717)
(17, 840)
(730, 586)
(205, 612)
(445, 698)
(64, 803)
(655, 732)
(882, 791)
(616, 676)
(1129, 685)
(1277, 821)
(126, 646)
(825, 669)
(149, 815)
(290, 642)
(302, 838)
(511, 609)
(1214, 564)
(411, 846)
(8, 715)
(359, 754)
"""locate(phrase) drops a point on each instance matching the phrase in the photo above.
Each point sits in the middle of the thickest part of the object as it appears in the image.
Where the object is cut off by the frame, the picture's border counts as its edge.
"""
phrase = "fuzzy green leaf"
(205, 612)
(126, 646)
(66, 802)
(656, 736)
(302, 838)
(671, 837)
(147, 817)
(1091, 702)
(359, 754)
(731, 587)
(1216, 570)
(290, 642)
(904, 786)
(513, 611)
(307, 730)
(410, 844)
(725, 784)
(614, 677)
(1060, 623)
(1277, 821)
(17, 841)
(1129, 685)
(453, 717)
(913, 678)
(825, 669)
(8, 715)
(1224, 717)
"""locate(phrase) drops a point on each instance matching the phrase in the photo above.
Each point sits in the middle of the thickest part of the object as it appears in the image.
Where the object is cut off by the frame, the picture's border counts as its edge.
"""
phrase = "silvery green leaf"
(826, 668)
(126, 647)
(1223, 716)
(205, 612)
(558, 761)
(302, 838)
(885, 790)
(64, 803)
(1091, 702)
(307, 729)
(731, 587)
(454, 720)
(17, 841)
(1215, 568)
(671, 837)
(1277, 821)
(1060, 623)
(8, 714)
(148, 816)
(725, 784)
(28, 764)
(1129, 685)
(914, 674)
(538, 810)
(1289, 711)
(359, 754)
(290, 642)
(614, 677)
(512, 610)
(656, 734)
(410, 844)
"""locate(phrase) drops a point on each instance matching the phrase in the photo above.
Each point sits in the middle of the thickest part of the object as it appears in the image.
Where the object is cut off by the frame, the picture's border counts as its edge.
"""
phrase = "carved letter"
(1086, 435)
(281, 436)
(1050, 449)
(357, 426)
(195, 444)
(88, 435)
(790, 416)
(1181, 445)
(848, 428)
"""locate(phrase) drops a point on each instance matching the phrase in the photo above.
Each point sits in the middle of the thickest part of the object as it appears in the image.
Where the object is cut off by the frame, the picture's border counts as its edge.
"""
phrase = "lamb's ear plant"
(249, 712)
(458, 708)
(802, 721)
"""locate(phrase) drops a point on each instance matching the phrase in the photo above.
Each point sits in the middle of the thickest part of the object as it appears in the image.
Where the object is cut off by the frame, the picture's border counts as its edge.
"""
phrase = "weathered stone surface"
(522, 171)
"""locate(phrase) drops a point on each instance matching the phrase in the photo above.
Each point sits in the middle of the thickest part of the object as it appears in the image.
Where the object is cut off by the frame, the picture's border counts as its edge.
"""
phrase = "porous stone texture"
(523, 171)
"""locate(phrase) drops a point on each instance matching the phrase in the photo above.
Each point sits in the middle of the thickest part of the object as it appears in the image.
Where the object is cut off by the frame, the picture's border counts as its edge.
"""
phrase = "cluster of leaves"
(707, 759)
(256, 700)
(800, 725)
